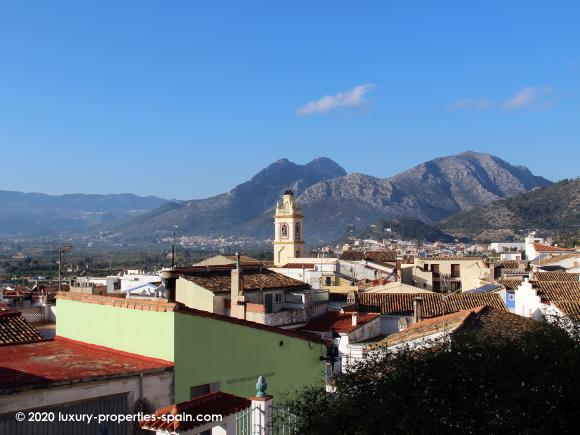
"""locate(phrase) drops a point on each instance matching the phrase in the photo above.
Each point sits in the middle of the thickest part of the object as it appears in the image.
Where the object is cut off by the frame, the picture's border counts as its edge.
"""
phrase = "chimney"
(417, 307)
(169, 278)
(354, 319)
(237, 299)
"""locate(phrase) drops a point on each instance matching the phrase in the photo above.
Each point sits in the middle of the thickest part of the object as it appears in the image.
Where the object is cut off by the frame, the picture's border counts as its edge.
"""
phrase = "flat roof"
(63, 361)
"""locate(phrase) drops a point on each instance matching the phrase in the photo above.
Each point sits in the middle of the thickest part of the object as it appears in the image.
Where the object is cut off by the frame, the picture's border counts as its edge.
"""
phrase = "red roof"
(298, 266)
(65, 361)
(218, 403)
(339, 322)
(540, 247)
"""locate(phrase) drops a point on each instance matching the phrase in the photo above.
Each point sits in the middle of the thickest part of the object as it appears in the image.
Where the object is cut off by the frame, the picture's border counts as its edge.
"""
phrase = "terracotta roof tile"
(219, 280)
(298, 266)
(507, 264)
(556, 276)
(555, 259)
(570, 308)
(486, 321)
(552, 291)
(510, 284)
(218, 403)
(540, 247)
(426, 327)
(434, 304)
(15, 329)
(339, 322)
(451, 258)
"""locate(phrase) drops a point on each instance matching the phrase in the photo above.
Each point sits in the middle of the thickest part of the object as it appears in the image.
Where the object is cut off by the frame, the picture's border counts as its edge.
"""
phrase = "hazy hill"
(554, 209)
(37, 213)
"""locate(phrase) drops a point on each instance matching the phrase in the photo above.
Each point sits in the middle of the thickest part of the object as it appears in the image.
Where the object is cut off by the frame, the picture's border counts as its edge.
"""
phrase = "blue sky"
(186, 99)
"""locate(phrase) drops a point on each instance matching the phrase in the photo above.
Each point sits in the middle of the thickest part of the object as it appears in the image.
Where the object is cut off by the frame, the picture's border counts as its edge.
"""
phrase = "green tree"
(468, 386)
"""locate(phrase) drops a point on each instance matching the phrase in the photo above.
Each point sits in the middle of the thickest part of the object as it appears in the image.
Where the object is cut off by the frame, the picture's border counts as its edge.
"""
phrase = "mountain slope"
(241, 211)
(553, 209)
(428, 192)
(332, 200)
(400, 228)
(37, 213)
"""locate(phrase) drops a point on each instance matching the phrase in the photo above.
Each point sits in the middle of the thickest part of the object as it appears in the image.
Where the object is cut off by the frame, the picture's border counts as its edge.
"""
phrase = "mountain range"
(331, 201)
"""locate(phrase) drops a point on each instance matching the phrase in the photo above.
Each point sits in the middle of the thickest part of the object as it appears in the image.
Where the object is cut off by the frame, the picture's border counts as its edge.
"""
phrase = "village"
(232, 334)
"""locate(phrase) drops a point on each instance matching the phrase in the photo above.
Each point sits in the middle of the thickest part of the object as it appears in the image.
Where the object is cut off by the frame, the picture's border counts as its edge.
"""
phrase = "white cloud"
(529, 97)
(468, 103)
(352, 98)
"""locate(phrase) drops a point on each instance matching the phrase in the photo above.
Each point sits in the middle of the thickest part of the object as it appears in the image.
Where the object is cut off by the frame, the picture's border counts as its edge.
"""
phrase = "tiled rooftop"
(450, 258)
(15, 329)
(558, 258)
(298, 266)
(510, 284)
(570, 308)
(339, 322)
(229, 260)
(434, 304)
(551, 291)
(507, 264)
(557, 276)
(485, 321)
(218, 403)
(254, 279)
(540, 247)
(63, 361)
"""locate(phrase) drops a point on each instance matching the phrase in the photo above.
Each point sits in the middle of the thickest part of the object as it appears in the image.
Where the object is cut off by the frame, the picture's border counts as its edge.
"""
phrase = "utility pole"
(61, 250)
(173, 252)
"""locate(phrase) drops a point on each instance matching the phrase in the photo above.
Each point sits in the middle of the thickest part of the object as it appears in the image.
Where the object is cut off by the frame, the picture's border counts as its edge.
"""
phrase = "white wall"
(157, 389)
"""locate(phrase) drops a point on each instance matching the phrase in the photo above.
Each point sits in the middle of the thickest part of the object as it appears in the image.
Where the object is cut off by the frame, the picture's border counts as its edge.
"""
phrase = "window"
(278, 298)
(455, 271)
(435, 270)
(511, 296)
(328, 280)
(297, 231)
(297, 254)
(284, 231)
(436, 286)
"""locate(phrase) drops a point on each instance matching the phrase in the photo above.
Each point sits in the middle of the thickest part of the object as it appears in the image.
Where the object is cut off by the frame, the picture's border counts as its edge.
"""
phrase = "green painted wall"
(148, 333)
(209, 350)
(204, 350)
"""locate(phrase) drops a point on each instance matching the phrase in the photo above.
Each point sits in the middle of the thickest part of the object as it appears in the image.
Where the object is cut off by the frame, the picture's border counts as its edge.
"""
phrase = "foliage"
(467, 386)
(553, 211)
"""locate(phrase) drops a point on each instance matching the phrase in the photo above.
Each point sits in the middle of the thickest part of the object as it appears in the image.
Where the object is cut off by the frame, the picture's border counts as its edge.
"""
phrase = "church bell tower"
(288, 243)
